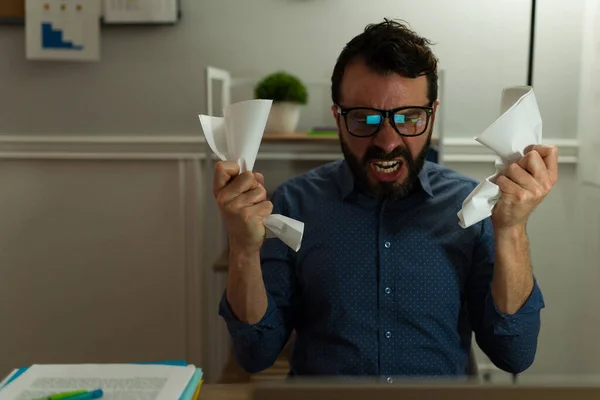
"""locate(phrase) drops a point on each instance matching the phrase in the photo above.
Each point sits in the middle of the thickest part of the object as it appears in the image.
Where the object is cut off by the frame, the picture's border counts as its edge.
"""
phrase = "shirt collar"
(346, 179)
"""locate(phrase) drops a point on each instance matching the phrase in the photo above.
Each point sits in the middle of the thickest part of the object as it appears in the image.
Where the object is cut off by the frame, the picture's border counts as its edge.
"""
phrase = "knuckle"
(229, 208)
(269, 206)
(246, 214)
(219, 168)
(501, 181)
(521, 195)
(513, 168)
(248, 175)
(263, 192)
(220, 197)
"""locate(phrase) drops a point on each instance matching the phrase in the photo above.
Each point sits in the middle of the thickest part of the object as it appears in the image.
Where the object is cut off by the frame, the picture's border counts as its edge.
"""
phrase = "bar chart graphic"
(63, 30)
(53, 38)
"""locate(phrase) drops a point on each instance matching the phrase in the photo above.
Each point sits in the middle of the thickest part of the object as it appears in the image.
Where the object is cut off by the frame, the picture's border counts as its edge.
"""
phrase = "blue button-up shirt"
(379, 287)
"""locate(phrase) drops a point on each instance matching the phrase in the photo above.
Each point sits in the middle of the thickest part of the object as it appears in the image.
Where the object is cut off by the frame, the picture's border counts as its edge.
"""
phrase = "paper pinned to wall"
(63, 30)
(140, 11)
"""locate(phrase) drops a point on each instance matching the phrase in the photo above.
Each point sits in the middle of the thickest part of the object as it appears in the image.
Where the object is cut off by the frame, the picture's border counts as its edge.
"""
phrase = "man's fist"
(242, 200)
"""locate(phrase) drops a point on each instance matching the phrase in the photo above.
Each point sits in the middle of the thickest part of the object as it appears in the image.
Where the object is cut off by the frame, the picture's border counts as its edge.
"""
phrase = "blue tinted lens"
(373, 119)
(399, 118)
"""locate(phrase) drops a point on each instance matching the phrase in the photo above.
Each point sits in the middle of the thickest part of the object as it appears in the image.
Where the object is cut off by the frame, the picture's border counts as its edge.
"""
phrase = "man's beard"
(385, 190)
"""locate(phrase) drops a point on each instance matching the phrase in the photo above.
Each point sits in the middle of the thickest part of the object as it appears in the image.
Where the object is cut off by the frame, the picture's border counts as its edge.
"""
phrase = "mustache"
(375, 153)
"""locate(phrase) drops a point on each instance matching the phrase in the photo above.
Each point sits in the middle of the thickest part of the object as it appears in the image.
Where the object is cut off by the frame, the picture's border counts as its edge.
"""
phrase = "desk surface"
(225, 392)
(388, 392)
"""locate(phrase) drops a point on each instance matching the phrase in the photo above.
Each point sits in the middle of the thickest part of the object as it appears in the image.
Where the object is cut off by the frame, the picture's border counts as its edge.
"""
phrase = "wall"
(99, 258)
(557, 62)
(157, 74)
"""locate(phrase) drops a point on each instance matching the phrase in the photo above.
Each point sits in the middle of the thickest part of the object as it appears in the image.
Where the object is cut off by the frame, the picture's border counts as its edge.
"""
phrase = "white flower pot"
(283, 117)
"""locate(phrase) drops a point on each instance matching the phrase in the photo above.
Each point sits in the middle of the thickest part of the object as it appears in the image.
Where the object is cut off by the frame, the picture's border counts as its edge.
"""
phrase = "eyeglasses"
(407, 121)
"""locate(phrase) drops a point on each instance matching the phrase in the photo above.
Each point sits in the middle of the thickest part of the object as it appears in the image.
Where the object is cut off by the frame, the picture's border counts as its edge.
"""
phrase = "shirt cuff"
(240, 329)
(517, 323)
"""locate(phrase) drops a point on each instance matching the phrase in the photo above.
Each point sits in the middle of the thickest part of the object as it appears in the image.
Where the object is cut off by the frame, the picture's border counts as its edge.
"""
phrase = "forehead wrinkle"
(362, 87)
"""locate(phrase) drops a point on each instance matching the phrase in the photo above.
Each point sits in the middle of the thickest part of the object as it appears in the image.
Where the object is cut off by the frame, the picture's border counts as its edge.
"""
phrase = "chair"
(472, 369)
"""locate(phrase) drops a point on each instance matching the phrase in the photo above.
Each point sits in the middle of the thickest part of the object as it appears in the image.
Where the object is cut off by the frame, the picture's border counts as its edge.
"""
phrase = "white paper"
(63, 30)
(288, 230)
(117, 381)
(140, 11)
(519, 126)
(236, 137)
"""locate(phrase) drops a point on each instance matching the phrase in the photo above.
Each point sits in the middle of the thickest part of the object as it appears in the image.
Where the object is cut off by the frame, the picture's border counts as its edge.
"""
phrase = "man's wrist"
(517, 233)
(241, 256)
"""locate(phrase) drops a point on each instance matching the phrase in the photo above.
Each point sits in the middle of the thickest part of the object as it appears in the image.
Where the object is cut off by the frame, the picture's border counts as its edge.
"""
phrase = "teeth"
(386, 166)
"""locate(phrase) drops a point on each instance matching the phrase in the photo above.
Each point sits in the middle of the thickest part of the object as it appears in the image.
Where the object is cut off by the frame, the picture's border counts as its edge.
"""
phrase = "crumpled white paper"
(237, 136)
(519, 126)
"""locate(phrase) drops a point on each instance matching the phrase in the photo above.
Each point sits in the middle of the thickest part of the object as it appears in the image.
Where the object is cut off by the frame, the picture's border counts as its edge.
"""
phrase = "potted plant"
(288, 94)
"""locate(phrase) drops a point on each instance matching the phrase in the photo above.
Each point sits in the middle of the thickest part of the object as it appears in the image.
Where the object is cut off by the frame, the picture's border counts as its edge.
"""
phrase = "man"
(386, 282)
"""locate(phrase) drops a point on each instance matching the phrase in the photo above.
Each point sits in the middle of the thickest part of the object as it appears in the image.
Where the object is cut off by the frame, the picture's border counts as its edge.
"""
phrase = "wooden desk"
(225, 392)
(425, 390)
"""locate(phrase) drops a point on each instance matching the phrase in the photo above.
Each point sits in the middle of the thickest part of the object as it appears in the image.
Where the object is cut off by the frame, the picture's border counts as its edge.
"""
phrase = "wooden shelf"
(303, 137)
(12, 9)
(297, 137)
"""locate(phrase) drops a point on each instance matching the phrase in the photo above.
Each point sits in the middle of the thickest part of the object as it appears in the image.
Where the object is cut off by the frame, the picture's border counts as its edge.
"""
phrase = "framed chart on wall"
(12, 11)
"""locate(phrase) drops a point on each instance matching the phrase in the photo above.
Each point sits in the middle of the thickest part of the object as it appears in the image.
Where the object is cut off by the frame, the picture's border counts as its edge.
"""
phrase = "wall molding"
(193, 147)
(101, 147)
(468, 150)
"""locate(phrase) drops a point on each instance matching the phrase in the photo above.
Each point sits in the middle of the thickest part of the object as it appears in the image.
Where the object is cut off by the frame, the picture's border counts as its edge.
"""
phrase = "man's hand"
(242, 200)
(524, 185)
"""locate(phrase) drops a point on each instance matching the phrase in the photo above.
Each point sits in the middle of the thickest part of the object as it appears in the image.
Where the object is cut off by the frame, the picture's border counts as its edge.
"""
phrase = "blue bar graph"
(53, 39)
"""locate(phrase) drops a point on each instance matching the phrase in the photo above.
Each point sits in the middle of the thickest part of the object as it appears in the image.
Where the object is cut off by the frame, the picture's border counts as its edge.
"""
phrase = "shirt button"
(388, 334)
(390, 379)
(387, 245)
(388, 290)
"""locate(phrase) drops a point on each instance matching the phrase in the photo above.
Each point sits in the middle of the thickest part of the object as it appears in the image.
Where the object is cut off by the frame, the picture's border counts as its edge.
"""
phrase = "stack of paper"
(117, 381)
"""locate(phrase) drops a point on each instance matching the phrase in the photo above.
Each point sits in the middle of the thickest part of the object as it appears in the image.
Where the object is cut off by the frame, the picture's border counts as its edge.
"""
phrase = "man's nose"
(387, 139)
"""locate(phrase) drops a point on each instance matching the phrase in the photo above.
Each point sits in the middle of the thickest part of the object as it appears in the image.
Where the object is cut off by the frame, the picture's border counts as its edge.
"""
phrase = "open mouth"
(386, 166)
(387, 171)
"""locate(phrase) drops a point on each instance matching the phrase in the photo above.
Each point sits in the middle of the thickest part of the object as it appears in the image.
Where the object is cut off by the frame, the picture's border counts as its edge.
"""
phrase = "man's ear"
(435, 108)
(336, 116)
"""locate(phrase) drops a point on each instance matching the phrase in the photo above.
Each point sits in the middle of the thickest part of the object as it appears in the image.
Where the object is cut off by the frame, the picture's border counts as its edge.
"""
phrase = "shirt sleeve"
(257, 346)
(509, 340)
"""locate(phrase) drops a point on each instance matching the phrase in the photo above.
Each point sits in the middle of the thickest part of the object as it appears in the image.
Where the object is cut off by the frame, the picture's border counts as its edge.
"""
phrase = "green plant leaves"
(281, 86)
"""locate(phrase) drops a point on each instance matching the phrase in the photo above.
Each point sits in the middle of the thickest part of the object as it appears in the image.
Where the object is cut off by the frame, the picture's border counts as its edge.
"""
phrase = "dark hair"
(389, 46)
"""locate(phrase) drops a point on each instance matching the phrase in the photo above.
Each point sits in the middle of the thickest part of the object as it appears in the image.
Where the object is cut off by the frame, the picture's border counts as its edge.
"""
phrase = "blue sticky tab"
(373, 119)
(399, 118)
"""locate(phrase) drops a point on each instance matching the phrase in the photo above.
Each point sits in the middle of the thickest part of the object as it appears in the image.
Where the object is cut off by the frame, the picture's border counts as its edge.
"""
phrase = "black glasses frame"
(385, 114)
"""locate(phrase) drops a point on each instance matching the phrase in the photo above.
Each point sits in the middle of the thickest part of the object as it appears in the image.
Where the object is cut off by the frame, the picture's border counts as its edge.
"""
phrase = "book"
(160, 381)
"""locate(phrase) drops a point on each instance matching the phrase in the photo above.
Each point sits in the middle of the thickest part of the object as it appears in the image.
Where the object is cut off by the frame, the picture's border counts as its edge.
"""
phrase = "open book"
(117, 381)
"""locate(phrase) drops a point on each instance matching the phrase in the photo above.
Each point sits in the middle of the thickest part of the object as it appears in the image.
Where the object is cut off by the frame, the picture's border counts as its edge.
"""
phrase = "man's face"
(387, 164)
